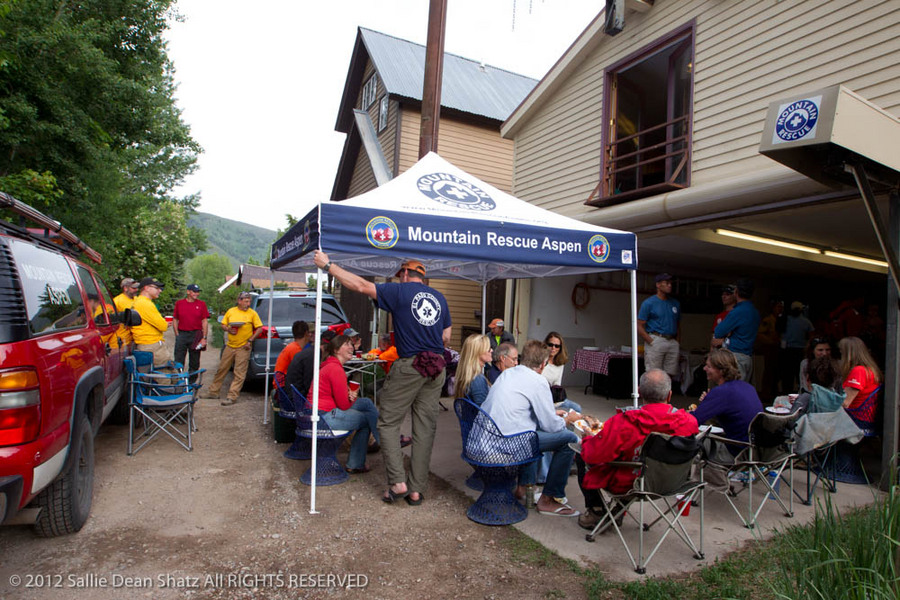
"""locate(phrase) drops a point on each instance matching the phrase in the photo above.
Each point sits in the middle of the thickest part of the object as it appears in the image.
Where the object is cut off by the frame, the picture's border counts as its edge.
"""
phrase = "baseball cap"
(350, 332)
(497, 323)
(412, 265)
(663, 277)
(193, 287)
(151, 281)
(728, 289)
(129, 282)
(796, 304)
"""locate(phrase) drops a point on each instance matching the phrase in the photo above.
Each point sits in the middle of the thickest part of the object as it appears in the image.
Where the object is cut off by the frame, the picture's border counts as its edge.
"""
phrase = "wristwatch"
(327, 266)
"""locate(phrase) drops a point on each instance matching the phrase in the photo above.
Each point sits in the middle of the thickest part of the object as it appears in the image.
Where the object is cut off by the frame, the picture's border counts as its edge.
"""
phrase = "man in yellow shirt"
(148, 336)
(243, 326)
(123, 301)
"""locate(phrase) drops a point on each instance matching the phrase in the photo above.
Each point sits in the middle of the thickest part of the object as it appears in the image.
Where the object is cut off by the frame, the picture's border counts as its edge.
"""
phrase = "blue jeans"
(362, 418)
(558, 475)
(544, 463)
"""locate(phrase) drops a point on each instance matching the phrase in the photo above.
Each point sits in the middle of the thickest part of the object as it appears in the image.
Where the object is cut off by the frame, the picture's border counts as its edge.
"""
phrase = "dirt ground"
(231, 520)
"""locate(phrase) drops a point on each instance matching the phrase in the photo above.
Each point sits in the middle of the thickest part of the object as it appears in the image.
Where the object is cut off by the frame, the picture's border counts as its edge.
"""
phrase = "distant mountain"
(238, 241)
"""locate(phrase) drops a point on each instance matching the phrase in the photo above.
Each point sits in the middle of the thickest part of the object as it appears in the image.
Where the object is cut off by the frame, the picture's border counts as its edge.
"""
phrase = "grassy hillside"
(238, 241)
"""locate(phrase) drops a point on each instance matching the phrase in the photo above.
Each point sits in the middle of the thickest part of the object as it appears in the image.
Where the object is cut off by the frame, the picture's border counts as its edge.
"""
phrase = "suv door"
(102, 311)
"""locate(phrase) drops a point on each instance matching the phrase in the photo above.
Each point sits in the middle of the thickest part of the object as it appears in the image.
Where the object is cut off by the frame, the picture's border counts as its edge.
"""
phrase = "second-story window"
(368, 93)
(382, 113)
(648, 105)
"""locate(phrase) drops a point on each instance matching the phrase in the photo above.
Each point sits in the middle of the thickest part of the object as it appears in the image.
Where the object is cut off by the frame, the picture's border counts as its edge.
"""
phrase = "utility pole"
(434, 71)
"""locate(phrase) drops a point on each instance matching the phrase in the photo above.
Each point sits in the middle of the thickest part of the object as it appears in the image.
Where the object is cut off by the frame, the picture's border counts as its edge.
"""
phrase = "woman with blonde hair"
(470, 380)
(859, 370)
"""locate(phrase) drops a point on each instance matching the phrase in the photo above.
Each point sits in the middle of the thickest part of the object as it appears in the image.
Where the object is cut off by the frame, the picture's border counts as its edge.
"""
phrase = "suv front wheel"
(66, 503)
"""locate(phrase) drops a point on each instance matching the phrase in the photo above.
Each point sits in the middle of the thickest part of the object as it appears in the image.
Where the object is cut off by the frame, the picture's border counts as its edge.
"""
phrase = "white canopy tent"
(459, 227)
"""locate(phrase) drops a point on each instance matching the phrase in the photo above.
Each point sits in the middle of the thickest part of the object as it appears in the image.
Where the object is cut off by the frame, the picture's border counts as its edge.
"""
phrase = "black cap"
(151, 281)
(663, 277)
(193, 287)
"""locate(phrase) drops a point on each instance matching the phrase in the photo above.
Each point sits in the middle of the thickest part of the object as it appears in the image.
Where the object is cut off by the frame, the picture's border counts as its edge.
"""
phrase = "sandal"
(393, 496)
(564, 510)
(364, 469)
(405, 441)
(412, 502)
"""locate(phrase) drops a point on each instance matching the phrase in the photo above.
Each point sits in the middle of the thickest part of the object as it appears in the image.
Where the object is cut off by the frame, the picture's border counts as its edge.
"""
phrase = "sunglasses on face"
(554, 345)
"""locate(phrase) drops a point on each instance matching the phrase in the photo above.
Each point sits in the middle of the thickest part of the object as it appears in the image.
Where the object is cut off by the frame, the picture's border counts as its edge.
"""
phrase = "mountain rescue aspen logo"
(797, 120)
(598, 249)
(382, 233)
(456, 192)
(426, 309)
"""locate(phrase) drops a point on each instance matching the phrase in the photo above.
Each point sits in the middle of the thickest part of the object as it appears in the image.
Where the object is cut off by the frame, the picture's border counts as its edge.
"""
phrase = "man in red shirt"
(300, 331)
(621, 439)
(189, 321)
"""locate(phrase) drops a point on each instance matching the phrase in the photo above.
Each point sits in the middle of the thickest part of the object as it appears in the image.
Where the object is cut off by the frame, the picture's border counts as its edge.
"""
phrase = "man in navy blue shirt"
(657, 323)
(737, 332)
(422, 328)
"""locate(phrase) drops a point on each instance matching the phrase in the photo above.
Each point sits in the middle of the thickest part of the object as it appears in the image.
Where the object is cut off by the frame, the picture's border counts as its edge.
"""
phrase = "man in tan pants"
(243, 326)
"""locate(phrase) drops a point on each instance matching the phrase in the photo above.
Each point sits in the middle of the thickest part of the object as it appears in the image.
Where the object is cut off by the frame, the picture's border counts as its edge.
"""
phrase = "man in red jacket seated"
(621, 439)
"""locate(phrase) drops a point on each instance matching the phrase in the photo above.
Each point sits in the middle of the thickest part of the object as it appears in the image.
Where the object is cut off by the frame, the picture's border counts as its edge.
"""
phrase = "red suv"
(61, 372)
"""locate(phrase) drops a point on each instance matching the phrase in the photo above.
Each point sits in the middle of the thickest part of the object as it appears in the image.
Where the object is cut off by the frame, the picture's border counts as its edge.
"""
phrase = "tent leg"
(634, 340)
(268, 348)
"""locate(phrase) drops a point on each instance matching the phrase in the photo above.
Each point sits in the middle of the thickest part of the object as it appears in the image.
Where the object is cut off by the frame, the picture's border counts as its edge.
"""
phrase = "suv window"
(93, 296)
(289, 309)
(52, 298)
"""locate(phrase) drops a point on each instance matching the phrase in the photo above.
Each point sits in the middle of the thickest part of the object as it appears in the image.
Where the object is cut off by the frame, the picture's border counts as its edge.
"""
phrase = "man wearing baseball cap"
(422, 328)
(243, 326)
(123, 301)
(658, 321)
(739, 328)
(148, 336)
(499, 334)
(190, 322)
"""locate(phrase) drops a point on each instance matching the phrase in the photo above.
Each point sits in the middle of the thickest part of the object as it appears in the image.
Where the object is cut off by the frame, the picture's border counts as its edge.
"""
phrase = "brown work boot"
(228, 402)
(589, 519)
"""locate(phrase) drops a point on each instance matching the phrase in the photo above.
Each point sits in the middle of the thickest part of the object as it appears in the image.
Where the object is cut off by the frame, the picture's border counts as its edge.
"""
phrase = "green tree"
(89, 130)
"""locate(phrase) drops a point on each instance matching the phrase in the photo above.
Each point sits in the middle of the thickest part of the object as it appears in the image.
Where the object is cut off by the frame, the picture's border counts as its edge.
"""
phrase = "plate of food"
(779, 410)
(582, 428)
(712, 429)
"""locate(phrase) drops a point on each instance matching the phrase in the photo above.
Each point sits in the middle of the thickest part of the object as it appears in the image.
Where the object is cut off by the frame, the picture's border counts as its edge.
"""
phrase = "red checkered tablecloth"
(595, 361)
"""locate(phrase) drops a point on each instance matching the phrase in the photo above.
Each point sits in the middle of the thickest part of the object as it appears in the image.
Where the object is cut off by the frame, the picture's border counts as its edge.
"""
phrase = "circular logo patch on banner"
(426, 309)
(382, 233)
(453, 191)
(598, 249)
(797, 120)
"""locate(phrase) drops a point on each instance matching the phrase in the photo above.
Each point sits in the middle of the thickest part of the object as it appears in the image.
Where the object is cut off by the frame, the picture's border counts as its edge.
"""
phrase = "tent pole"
(634, 340)
(268, 346)
(483, 304)
(320, 275)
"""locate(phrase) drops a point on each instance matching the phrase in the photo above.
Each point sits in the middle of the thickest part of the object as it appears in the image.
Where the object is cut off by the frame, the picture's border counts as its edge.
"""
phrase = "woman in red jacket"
(339, 406)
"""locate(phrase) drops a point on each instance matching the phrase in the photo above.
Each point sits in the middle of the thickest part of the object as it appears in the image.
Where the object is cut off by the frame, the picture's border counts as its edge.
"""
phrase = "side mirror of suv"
(131, 318)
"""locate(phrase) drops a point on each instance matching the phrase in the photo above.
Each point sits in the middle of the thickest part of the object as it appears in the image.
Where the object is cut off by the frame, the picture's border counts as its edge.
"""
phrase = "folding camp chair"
(867, 416)
(763, 459)
(497, 459)
(665, 484)
(162, 403)
(144, 363)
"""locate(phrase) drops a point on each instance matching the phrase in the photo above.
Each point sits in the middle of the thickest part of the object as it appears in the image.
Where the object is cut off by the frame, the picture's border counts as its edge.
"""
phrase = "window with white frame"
(368, 93)
(382, 113)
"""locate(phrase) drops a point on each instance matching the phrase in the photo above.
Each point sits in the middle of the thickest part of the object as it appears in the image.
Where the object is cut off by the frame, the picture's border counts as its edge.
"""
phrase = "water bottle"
(529, 496)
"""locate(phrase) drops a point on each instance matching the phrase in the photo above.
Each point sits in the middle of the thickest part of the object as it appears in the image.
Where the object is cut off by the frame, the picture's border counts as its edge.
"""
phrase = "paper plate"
(778, 410)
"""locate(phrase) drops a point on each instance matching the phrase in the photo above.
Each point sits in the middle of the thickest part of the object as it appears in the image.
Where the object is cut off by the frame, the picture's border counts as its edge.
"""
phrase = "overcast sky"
(259, 83)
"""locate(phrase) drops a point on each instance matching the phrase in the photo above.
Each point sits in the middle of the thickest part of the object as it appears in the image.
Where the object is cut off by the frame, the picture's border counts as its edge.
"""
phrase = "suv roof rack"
(49, 225)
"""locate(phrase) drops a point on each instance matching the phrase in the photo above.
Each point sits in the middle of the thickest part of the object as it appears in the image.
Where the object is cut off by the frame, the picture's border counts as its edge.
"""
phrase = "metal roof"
(467, 85)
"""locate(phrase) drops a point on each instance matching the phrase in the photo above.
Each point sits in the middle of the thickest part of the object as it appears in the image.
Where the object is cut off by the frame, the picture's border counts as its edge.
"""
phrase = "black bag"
(559, 393)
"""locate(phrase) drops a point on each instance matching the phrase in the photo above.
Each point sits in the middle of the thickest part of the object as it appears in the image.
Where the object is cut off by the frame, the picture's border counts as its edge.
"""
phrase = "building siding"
(746, 54)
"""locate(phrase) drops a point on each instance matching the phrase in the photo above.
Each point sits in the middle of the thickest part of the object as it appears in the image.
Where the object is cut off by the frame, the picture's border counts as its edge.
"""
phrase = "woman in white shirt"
(559, 356)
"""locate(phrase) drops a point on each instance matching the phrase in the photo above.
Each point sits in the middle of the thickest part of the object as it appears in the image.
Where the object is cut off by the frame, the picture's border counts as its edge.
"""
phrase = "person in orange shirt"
(300, 331)
(386, 352)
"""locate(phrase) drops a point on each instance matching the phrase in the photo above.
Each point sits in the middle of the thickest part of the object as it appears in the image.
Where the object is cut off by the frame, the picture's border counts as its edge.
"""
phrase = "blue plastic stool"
(328, 470)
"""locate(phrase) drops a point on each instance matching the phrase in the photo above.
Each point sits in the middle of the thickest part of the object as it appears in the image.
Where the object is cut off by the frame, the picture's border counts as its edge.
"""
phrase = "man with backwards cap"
(190, 321)
(657, 321)
(123, 301)
(739, 329)
(422, 327)
(148, 336)
(499, 334)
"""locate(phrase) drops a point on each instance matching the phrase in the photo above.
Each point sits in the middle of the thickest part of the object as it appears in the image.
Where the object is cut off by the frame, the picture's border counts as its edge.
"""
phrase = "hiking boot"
(228, 402)
(589, 519)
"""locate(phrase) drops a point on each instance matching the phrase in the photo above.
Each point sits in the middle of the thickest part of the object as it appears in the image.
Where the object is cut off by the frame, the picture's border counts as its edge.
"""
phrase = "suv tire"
(66, 503)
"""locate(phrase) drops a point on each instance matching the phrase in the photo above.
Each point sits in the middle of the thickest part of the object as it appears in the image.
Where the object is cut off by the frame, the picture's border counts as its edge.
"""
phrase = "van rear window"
(52, 298)
(287, 310)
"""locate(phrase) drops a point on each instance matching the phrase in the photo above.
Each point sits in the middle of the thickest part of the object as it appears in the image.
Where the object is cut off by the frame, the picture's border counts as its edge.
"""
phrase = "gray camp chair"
(666, 486)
